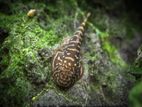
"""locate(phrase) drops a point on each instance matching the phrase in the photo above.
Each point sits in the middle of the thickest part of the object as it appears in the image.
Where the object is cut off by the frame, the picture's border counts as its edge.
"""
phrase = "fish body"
(66, 64)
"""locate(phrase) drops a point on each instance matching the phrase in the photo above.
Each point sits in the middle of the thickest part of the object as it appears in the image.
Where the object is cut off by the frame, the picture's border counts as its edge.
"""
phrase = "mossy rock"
(26, 57)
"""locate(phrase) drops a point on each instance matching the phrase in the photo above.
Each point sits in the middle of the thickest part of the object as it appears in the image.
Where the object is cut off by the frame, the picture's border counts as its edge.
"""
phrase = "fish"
(67, 67)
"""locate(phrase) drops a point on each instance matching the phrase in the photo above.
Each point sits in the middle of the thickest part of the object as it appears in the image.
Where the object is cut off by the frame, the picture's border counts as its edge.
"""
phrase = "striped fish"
(66, 64)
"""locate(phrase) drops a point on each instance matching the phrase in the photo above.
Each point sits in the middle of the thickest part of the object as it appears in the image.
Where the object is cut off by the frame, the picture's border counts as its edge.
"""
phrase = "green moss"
(111, 50)
(26, 37)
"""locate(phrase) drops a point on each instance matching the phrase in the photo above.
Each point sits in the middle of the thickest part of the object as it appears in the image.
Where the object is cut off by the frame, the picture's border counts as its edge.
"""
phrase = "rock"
(128, 49)
(102, 83)
(77, 95)
(49, 99)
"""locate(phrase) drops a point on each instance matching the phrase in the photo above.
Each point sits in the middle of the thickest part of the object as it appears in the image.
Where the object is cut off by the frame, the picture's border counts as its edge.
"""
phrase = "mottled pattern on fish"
(66, 64)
